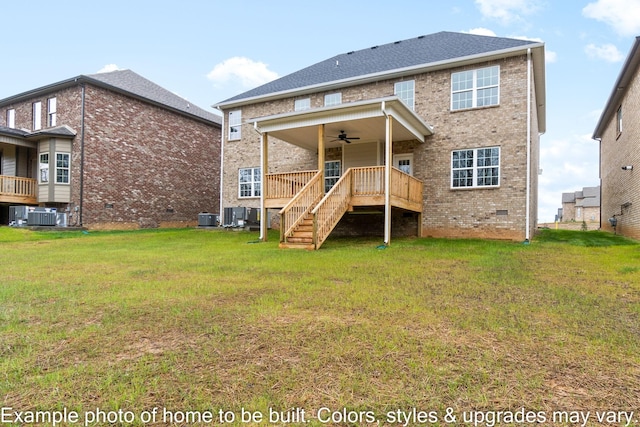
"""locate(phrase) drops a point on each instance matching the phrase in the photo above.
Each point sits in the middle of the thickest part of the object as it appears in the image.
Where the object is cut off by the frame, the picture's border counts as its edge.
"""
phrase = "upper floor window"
(11, 118)
(302, 104)
(406, 92)
(51, 112)
(235, 124)
(249, 180)
(62, 168)
(478, 167)
(475, 88)
(37, 115)
(333, 99)
(619, 120)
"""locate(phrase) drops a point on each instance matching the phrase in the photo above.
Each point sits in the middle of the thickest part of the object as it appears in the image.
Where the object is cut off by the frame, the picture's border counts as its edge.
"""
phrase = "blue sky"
(207, 51)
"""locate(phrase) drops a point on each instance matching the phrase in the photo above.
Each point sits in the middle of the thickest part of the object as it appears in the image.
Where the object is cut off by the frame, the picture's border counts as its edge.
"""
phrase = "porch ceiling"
(361, 119)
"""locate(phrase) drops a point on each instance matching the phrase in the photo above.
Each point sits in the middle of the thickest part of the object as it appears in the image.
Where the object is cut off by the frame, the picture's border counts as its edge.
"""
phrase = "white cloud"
(507, 11)
(109, 68)
(482, 32)
(621, 15)
(550, 56)
(247, 72)
(608, 52)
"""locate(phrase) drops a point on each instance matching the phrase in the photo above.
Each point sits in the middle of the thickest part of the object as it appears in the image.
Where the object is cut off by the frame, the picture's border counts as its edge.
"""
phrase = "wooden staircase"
(302, 235)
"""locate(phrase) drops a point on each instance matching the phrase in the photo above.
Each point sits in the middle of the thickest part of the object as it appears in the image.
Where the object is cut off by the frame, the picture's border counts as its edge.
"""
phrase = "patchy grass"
(194, 320)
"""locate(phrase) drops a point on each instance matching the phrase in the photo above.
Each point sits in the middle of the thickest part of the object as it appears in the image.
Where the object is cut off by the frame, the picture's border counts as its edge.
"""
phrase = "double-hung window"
(235, 124)
(44, 168)
(331, 174)
(302, 104)
(473, 168)
(51, 112)
(249, 182)
(11, 118)
(333, 99)
(619, 120)
(475, 88)
(37, 115)
(62, 168)
(406, 92)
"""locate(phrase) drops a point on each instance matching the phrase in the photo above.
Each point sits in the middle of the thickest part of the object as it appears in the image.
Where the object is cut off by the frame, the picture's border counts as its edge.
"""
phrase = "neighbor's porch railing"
(18, 189)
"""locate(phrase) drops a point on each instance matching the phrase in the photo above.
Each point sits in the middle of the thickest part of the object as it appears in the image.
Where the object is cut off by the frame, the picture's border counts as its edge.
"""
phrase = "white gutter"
(528, 197)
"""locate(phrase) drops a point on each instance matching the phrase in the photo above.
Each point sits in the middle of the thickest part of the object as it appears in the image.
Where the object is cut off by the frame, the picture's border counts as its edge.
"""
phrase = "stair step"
(301, 233)
(287, 245)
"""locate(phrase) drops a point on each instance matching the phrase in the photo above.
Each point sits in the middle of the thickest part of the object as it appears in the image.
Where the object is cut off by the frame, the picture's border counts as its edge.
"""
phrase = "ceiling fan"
(342, 137)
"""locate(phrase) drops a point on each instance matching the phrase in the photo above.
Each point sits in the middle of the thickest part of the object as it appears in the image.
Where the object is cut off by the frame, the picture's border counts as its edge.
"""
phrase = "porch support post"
(321, 151)
(264, 167)
(387, 178)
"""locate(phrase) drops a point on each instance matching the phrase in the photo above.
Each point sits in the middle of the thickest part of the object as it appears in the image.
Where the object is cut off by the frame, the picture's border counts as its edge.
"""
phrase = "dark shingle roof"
(406, 54)
(128, 81)
(13, 132)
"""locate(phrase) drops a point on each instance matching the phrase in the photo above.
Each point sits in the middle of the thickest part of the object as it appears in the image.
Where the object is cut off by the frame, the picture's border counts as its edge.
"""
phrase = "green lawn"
(203, 321)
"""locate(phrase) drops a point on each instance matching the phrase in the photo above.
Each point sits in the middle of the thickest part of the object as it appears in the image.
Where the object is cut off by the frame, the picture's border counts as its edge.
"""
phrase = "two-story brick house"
(618, 131)
(113, 150)
(436, 135)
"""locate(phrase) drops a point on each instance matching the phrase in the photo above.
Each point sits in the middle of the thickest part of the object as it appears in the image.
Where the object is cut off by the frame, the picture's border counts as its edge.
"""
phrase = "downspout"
(222, 133)
(528, 197)
(387, 180)
(82, 113)
(263, 180)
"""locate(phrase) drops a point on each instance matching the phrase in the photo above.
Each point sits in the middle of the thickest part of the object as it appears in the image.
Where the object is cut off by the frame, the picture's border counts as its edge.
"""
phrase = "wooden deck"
(15, 189)
(308, 215)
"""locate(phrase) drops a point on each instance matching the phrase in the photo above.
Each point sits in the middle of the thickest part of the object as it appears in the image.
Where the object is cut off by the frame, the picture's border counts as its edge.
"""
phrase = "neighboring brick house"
(618, 131)
(581, 206)
(113, 150)
(449, 123)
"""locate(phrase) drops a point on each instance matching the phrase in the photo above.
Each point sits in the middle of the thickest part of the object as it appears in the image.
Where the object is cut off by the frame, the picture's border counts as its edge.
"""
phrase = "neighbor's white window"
(62, 168)
(249, 180)
(479, 167)
(37, 115)
(11, 118)
(51, 112)
(333, 99)
(235, 124)
(331, 174)
(44, 167)
(619, 120)
(302, 104)
(475, 88)
(406, 92)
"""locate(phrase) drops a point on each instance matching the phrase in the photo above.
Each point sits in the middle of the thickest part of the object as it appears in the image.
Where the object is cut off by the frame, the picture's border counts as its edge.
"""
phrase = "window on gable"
(11, 118)
(51, 112)
(475, 88)
(619, 120)
(406, 92)
(333, 99)
(62, 168)
(249, 182)
(331, 174)
(302, 104)
(235, 124)
(474, 168)
(37, 115)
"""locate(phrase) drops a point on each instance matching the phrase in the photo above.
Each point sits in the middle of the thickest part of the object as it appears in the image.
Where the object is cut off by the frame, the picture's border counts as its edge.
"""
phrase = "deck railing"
(406, 187)
(18, 189)
(286, 185)
(296, 210)
(331, 208)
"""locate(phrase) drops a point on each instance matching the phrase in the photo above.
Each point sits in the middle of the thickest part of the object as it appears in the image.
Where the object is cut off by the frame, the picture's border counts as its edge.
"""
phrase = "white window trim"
(254, 192)
(11, 118)
(51, 112)
(619, 120)
(475, 169)
(302, 104)
(474, 89)
(412, 103)
(37, 115)
(333, 99)
(235, 123)
(336, 177)
(43, 169)
(62, 168)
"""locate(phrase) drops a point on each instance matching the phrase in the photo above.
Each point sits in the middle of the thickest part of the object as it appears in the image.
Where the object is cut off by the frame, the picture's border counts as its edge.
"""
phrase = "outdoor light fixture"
(627, 168)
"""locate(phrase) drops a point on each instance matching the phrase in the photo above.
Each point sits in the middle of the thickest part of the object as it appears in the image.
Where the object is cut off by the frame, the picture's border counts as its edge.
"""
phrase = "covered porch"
(308, 212)
(17, 157)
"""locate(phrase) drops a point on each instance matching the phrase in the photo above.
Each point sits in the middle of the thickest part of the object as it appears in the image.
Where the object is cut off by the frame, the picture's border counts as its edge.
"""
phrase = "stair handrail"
(331, 208)
(294, 212)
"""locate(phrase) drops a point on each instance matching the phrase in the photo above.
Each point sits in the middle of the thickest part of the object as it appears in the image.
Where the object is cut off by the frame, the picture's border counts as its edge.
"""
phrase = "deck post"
(387, 179)
(321, 151)
(264, 168)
